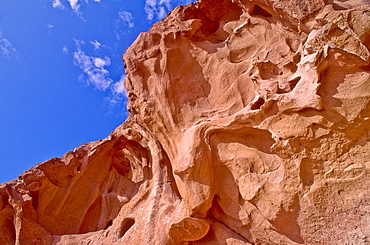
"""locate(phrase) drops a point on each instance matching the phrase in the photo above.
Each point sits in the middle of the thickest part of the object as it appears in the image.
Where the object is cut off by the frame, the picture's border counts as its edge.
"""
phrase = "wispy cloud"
(126, 18)
(123, 24)
(94, 69)
(157, 9)
(118, 93)
(117, 87)
(57, 4)
(6, 48)
(73, 4)
(95, 73)
(65, 49)
(96, 44)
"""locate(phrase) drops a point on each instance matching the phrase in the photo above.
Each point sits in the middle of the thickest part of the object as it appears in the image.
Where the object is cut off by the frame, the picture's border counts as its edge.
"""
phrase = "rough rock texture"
(249, 124)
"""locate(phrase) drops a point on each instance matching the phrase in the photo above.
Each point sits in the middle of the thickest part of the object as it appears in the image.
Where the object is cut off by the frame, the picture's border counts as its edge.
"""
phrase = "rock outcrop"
(249, 124)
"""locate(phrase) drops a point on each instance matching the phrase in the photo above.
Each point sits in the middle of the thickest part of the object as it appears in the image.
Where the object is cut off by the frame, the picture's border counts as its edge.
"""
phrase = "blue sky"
(61, 73)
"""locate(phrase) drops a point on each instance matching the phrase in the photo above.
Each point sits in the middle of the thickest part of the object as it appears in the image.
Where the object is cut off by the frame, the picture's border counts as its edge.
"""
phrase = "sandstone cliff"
(249, 124)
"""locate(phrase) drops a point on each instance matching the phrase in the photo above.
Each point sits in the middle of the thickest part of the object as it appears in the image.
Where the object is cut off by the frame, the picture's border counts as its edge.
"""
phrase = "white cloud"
(94, 69)
(118, 87)
(157, 9)
(96, 44)
(74, 4)
(95, 73)
(78, 43)
(126, 18)
(65, 49)
(6, 48)
(118, 93)
(100, 63)
(57, 4)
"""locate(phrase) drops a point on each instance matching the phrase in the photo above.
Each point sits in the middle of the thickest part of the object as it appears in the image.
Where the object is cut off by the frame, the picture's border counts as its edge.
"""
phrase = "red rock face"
(249, 124)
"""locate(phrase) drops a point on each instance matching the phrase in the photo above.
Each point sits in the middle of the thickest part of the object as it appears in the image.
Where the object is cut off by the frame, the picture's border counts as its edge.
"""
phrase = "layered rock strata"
(249, 124)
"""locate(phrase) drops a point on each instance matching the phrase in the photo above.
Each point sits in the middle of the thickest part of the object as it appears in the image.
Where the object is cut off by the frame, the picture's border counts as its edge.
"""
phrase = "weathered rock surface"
(249, 124)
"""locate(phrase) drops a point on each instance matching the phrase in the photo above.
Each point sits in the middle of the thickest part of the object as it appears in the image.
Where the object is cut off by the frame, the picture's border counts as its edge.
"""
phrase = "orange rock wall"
(249, 124)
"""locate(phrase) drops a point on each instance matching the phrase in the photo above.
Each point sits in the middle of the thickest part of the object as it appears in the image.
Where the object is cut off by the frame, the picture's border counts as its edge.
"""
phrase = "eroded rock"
(249, 124)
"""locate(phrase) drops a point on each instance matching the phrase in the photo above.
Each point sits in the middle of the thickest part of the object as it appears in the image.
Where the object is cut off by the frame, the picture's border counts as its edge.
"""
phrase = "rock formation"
(249, 124)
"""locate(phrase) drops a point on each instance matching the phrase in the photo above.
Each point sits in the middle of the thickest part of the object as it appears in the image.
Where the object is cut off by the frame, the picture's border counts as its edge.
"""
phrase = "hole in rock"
(293, 82)
(168, 166)
(297, 58)
(35, 199)
(258, 139)
(257, 105)
(337, 6)
(111, 188)
(293, 44)
(236, 56)
(367, 41)
(291, 66)
(109, 224)
(126, 224)
(257, 10)
(268, 70)
(121, 164)
(79, 168)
